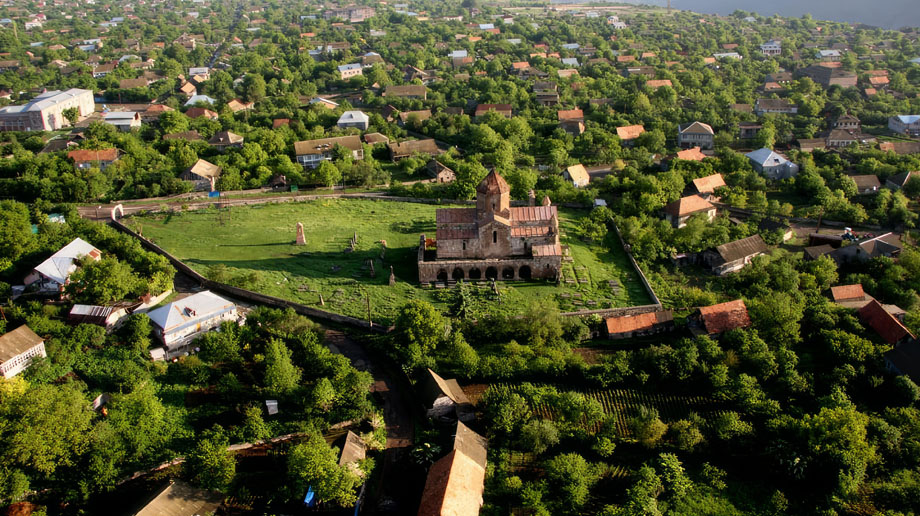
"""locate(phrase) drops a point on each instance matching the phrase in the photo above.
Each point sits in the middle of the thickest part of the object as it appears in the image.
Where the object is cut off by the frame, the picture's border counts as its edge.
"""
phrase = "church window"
(495, 237)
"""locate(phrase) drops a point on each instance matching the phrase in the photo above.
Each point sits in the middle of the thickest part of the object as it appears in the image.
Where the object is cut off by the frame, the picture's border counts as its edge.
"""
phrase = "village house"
(678, 212)
(888, 245)
(440, 172)
(492, 240)
(733, 256)
(772, 164)
(413, 116)
(572, 121)
(405, 149)
(629, 133)
(325, 103)
(705, 187)
(237, 105)
(847, 122)
(771, 48)
(124, 121)
(444, 399)
(866, 184)
(908, 125)
(696, 134)
(502, 109)
(578, 175)
(17, 349)
(347, 71)
(763, 106)
(888, 327)
(839, 138)
(639, 325)
(224, 140)
(898, 181)
(179, 498)
(546, 93)
(85, 159)
(720, 318)
(195, 112)
(375, 138)
(456, 482)
(310, 153)
(411, 91)
(109, 317)
(354, 119)
(901, 148)
(180, 321)
(203, 175)
(829, 56)
(827, 77)
(748, 130)
(53, 274)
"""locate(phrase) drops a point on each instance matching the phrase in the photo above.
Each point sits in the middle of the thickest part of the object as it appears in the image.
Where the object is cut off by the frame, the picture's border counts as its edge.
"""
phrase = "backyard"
(254, 247)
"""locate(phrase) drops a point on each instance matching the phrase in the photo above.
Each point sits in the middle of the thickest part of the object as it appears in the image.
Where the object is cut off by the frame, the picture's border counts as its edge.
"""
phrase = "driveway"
(397, 492)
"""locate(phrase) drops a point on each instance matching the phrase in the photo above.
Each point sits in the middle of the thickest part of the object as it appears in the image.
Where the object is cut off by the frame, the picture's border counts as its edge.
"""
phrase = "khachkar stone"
(392, 277)
(301, 240)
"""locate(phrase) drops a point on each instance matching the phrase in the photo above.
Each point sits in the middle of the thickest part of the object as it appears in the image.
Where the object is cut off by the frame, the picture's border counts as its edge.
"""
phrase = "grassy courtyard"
(253, 247)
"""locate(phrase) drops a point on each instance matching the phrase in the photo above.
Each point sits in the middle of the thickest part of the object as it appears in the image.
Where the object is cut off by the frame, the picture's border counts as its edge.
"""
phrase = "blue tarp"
(215, 193)
(310, 499)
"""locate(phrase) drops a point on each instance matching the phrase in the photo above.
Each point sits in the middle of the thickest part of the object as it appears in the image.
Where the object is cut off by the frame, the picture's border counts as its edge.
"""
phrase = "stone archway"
(457, 275)
(442, 275)
(508, 273)
(524, 272)
(475, 273)
(491, 273)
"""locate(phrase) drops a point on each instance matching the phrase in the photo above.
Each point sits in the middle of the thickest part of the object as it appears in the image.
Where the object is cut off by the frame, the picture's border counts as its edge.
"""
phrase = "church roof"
(493, 183)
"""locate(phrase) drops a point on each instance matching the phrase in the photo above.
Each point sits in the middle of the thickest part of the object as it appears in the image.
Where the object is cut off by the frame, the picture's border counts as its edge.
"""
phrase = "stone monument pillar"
(301, 240)
(392, 277)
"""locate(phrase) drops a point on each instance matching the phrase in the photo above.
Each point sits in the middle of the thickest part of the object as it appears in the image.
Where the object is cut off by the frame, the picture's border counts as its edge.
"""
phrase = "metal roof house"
(52, 274)
(181, 321)
(17, 348)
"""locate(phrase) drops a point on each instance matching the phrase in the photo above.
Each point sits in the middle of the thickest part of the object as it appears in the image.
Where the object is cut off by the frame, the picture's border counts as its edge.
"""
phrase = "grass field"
(255, 244)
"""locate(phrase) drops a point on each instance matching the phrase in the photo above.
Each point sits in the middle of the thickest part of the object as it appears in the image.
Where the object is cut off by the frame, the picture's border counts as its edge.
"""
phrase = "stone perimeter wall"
(309, 311)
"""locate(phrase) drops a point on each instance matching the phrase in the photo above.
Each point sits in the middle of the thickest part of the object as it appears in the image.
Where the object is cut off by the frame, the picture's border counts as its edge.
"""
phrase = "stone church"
(492, 240)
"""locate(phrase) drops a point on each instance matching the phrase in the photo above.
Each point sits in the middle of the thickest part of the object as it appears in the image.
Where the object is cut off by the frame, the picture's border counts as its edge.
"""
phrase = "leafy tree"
(572, 478)
(210, 462)
(103, 281)
(313, 464)
(15, 231)
(539, 435)
(419, 330)
(72, 114)
(281, 375)
(647, 428)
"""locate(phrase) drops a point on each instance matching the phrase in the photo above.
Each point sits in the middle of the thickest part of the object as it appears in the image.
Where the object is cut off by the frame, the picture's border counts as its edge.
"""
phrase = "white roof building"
(194, 99)
(772, 164)
(180, 321)
(57, 269)
(354, 119)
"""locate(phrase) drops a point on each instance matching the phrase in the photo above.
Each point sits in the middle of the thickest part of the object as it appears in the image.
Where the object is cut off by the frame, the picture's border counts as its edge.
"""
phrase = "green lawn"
(256, 244)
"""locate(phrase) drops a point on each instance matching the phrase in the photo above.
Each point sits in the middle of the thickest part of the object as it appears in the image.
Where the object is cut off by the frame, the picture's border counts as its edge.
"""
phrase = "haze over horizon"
(888, 14)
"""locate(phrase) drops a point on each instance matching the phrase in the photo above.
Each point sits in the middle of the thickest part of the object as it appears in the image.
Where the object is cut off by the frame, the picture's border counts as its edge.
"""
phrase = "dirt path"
(397, 493)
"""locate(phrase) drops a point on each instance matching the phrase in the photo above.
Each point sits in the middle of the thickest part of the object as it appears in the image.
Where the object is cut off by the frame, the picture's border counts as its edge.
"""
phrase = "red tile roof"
(725, 316)
(630, 323)
(86, 155)
(570, 114)
(657, 83)
(708, 184)
(630, 132)
(688, 205)
(493, 183)
(693, 154)
(847, 292)
(885, 324)
(454, 487)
